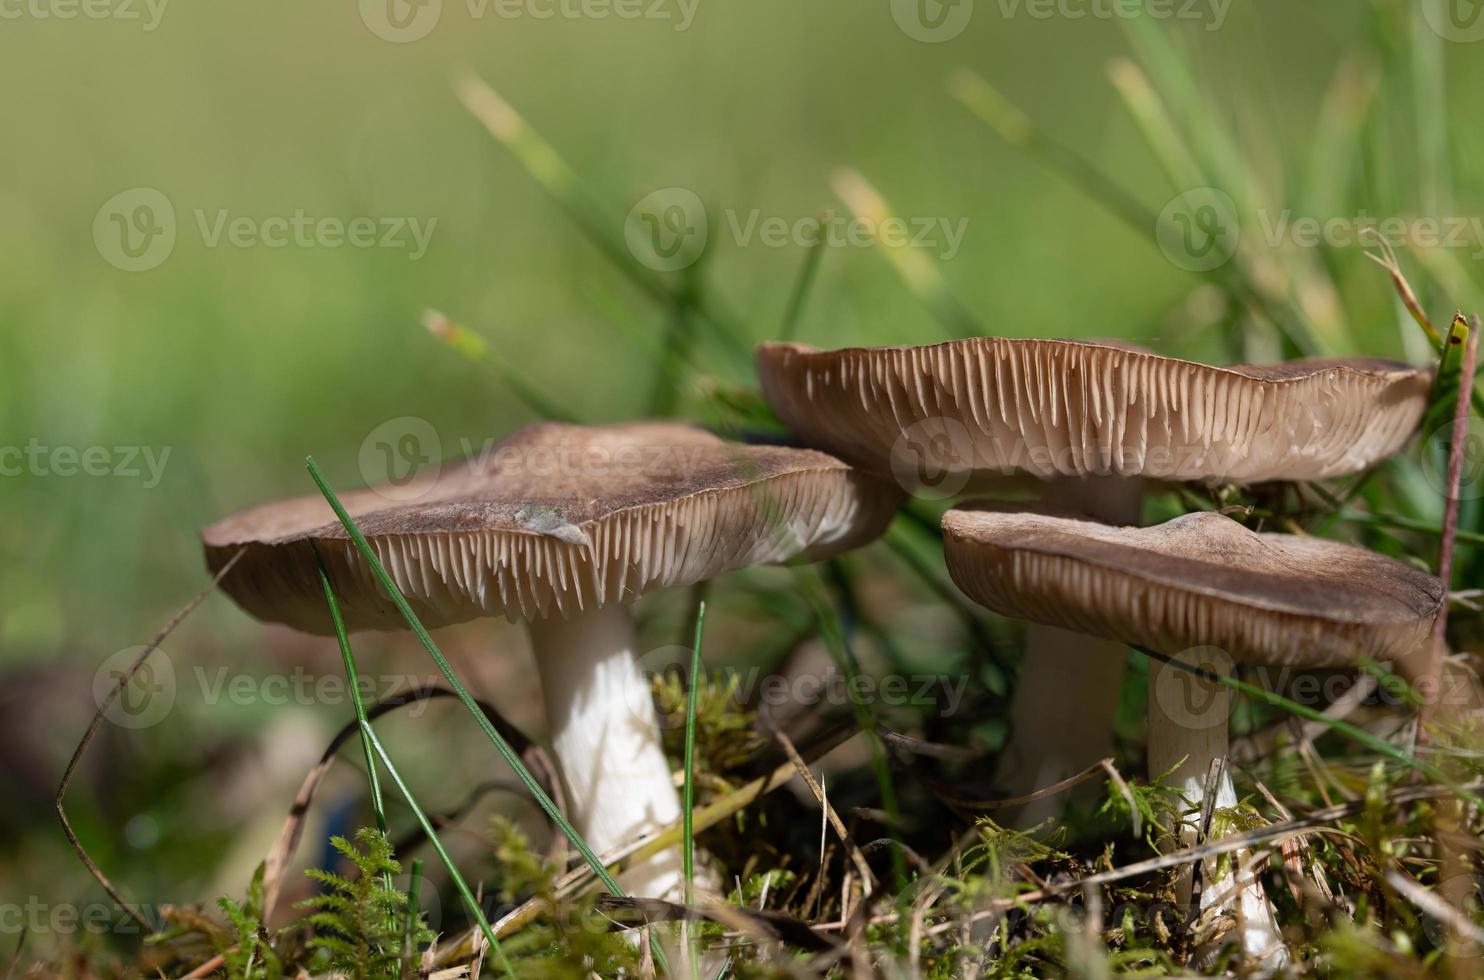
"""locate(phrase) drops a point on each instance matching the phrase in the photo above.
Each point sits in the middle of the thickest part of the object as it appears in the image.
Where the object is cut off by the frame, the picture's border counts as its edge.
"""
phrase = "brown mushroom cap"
(993, 405)
(553, 518)
(1198, 580)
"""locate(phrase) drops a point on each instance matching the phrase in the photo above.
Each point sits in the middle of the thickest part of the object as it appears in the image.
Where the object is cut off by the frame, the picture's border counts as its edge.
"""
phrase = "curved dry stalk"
(97, 722)
(275, 864)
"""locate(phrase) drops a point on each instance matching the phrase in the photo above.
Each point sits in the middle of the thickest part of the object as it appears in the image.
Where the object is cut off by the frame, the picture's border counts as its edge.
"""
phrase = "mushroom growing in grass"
(562, 526)
(1209, 593)
(1092, 420)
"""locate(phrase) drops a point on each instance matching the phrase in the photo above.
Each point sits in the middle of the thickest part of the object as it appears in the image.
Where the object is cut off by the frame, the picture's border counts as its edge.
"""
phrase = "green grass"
(688, 791)
(352, 675)
(374, 751)
(1378, 745)
(1062, 184)
(470, 902)
(496, 739)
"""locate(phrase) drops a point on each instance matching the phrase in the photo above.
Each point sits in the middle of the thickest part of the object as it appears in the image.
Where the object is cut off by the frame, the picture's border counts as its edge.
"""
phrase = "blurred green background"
(240, 360)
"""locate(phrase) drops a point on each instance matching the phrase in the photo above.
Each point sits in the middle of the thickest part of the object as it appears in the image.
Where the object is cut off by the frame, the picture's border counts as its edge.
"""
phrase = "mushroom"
(562, 526)
(1093, 419)
(1207, 591)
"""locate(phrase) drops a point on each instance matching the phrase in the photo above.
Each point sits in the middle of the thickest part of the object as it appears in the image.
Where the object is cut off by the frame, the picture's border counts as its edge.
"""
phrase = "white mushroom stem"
(1061, 721)
(1188, 717)
(606, 739)
(1062, 717)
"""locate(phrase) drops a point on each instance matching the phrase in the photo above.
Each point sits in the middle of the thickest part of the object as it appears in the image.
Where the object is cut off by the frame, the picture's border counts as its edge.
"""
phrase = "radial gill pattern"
(634, 508)
(1198, 580)
(992, 405)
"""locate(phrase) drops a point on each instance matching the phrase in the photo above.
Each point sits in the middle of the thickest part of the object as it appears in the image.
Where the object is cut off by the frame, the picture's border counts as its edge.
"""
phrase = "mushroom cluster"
(1092, 421)
(1216, 595)
(630, 509)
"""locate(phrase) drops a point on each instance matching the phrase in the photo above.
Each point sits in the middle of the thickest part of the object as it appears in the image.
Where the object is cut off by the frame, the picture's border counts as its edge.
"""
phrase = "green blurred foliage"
(240, 361)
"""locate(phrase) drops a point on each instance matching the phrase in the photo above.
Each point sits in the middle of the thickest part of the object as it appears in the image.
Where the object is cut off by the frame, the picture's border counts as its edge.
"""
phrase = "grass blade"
(689, 846)
(373, 750)
(834, 638)
(1332, 160)
(510, 756)
(813, 252)
(475, 347)
(1015, 128)
(1372, 742)
(506, 752)
(669, 377)
(916, 270)
(1441, 408)
(688, 849)
(352, 675)
(541, 160)
(353, 678)
(1402, 523)
(1467, 340)
(1386, 259)
(422, 818)
(545, 165)
(414, 892)
(1155, 125)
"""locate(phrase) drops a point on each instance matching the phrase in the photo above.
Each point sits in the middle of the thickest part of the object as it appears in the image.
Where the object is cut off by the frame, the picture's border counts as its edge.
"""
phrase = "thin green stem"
(1406, 524)
(1372, 742)
(791, 313)
(664, 392)
(546, 166)
(409, 934)
(353, 677)
(834, 638)
(508, 753)
(477, 348)
(510, 756)
(688, 852)
(422, 818)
